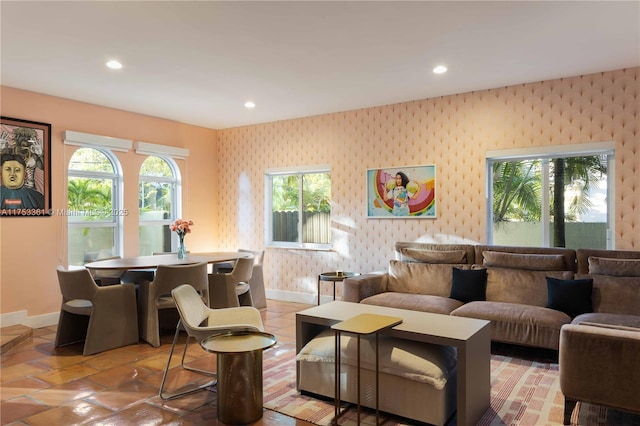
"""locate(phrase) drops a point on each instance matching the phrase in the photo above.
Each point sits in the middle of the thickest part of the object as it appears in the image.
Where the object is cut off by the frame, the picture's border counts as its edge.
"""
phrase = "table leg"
(377, 383)
(474, 377)
(318, 290)
(358, 379)
(336, 359)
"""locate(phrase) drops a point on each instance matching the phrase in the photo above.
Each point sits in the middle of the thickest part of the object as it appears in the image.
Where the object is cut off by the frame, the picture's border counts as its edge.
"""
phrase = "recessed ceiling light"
(114, 65)
(440, 69)
(249, 104)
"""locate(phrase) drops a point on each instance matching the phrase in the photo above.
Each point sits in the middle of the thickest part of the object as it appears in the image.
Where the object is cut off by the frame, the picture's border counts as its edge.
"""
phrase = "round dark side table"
(239, 374)
(334, 277)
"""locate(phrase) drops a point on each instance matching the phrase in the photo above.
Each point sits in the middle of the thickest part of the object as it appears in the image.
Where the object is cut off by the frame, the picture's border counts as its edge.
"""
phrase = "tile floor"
(43, 385)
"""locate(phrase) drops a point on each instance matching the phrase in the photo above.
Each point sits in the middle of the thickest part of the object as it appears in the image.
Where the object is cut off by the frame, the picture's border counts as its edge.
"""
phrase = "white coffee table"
(471, 338)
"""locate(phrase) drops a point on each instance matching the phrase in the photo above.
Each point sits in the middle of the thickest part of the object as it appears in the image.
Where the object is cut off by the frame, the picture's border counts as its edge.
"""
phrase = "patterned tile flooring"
(43, 385)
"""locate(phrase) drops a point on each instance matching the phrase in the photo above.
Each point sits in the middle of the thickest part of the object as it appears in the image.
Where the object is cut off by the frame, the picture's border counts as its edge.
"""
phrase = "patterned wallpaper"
(452, 132)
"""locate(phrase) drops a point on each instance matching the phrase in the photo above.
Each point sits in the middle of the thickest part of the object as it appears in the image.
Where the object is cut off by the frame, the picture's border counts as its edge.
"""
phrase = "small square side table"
(360, 325)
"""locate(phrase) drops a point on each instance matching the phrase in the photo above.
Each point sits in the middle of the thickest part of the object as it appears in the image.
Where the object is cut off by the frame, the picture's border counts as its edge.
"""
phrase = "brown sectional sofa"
(600, 352)
(420, 278)
(599, 349)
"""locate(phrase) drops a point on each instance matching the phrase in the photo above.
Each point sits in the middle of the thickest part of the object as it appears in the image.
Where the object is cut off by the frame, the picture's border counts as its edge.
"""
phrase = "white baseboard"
(36, 321)
(46, 320)
(292, 296)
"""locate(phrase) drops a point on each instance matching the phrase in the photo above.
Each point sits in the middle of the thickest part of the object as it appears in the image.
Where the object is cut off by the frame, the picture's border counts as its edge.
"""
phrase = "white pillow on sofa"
(421, 362)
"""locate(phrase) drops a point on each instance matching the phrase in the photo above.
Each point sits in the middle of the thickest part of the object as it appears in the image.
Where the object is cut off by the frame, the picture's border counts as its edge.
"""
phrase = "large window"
(299, 208)
(553, 199)
(94, 207)
(158, 195)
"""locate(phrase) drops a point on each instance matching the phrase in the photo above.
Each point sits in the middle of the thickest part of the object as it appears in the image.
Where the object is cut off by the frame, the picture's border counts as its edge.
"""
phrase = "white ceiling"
(197, 62)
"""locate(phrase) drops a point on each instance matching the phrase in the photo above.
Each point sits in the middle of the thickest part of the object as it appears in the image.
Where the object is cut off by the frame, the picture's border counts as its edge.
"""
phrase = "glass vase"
(182, 250)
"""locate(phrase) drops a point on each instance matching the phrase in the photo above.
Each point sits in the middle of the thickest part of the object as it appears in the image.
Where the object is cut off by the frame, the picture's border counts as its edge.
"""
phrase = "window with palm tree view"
(93, 206)
(552, 201)
(157, 204)
(300, 209)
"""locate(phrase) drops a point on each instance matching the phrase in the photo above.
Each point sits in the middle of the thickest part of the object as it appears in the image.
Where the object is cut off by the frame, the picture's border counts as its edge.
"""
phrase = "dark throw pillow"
(469, 285)
(573, 297)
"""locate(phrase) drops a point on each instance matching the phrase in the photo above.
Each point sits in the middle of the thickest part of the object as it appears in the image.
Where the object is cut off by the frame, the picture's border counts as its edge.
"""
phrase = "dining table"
(152, 262)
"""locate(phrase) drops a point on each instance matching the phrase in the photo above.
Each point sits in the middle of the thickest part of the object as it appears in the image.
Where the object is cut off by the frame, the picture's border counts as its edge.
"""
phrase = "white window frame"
(546, 154)
(117, 195)
(269, 174)
(176, 191)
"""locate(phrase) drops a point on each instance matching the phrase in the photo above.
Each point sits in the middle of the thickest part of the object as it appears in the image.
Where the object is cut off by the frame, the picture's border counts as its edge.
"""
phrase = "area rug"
(523, 392)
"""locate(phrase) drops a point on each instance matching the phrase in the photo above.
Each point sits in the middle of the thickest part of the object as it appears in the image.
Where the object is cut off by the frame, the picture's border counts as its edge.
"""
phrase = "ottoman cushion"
(417, 361)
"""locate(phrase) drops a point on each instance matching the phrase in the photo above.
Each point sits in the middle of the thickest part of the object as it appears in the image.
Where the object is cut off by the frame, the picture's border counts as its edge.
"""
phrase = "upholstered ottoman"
(417, 380)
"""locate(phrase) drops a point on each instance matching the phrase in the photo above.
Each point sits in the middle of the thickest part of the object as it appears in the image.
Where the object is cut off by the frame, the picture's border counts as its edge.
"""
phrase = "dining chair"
(104, 277)
(155, 296)
(104, 317)
(199, 321)
(232, 289)
(256, 283)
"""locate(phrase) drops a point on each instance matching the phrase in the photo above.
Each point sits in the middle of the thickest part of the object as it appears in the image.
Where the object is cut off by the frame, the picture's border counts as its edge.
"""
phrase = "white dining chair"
(199, 321)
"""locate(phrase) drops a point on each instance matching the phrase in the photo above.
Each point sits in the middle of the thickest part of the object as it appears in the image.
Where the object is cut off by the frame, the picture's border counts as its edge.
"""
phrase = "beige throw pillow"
(434, 256)
(614, 267)
(531, 262)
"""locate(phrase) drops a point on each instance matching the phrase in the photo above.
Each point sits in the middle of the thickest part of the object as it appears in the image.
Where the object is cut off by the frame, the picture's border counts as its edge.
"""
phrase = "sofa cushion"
(469, 285)
(518, 324)
(414, 302)
(573, 297)
(434, 256)
(533, 262)
(615, 295)
(617, 321)
(421, 278)
(520, 285)
(614, 267)
(418, 361)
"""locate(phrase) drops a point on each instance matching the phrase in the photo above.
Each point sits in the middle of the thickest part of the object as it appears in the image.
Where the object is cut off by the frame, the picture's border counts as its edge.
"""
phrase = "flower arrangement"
(181, 227)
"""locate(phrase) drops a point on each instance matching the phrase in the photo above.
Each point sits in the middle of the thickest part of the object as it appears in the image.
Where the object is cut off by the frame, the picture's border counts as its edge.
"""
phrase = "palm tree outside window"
(552, 199)
(157, 202)
(94, 206)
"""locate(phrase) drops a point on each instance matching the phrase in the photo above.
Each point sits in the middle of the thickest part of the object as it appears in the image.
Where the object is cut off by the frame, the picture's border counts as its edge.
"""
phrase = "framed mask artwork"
(25, 154)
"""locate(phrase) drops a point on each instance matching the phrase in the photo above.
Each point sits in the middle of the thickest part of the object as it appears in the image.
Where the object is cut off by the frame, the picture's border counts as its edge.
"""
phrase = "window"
(299, 208)
(94, 206)
(559, 198)
(157, 199)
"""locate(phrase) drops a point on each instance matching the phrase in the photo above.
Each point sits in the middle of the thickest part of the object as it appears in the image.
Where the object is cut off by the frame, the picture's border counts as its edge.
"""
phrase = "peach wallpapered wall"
(32, 248)
(452, 132)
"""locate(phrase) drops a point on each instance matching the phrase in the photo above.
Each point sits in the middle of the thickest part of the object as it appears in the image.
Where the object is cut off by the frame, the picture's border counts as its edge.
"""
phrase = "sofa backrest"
(421, 278)
(519, 274)
(584, 254)
(568, 255)
(434, 253)
(616, 279)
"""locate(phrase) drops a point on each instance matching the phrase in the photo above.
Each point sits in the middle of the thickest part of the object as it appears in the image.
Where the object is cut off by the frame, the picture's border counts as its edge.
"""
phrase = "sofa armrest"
(363, 286)
(600, 365)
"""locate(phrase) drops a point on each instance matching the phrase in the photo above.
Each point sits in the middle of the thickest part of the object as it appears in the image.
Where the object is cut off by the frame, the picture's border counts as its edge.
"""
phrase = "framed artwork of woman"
(401, 192)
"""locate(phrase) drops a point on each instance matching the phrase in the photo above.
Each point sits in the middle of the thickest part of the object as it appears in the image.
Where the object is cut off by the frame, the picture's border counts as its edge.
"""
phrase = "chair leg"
(245, 299)
(197, 370)
(165, 396)
(569, 405)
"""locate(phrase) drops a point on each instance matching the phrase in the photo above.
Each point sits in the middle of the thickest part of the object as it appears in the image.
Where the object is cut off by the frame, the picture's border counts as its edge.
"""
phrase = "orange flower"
(181, 226)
